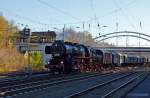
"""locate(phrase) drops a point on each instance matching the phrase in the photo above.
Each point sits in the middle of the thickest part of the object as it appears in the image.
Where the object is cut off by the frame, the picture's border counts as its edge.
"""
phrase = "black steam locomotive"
(68, 57)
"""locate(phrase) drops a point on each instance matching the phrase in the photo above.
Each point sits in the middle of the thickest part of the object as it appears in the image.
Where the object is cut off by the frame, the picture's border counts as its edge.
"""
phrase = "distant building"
(43, 37)
(26, 36)
(33, 40)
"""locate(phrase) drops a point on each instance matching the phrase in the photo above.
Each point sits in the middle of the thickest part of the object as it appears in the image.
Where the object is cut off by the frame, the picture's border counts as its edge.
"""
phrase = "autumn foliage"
(10, 58)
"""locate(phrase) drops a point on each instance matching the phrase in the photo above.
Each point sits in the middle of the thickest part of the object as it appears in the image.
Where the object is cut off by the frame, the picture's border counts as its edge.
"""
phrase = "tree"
(3, 31)
(83, 37)
(70, 35)
(10, 58)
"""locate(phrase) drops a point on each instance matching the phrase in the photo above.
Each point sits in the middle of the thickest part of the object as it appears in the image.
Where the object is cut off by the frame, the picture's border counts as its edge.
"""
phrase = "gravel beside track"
(105, 90)
(64, 89)
(27, 86)
(64, 85)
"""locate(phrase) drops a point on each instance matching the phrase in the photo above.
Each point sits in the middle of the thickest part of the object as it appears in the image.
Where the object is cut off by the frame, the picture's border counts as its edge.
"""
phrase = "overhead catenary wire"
(79, 22)
(95, 15)
(124, 14)
(126, 17)
(27, 18)
(93, 10)
(59, 10)
(113, 11)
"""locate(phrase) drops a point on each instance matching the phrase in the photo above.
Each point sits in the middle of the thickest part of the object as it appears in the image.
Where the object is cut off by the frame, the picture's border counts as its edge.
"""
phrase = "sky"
(49, 14)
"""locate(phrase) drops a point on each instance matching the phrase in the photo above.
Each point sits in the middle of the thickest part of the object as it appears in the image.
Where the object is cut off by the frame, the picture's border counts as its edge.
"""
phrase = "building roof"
(38, 33)
(43, 33)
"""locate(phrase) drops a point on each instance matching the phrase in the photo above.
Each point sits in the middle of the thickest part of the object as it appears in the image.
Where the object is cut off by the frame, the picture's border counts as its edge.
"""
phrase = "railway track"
(22, 77)
(57, 84)
(130, 84)
(114, 88)
(26, 79)
(15, 78)
(21, 86)
(19, 75)
(72, 85)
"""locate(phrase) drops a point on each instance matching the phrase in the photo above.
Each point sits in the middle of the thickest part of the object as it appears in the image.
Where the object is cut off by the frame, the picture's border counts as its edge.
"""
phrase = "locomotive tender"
(67, 57)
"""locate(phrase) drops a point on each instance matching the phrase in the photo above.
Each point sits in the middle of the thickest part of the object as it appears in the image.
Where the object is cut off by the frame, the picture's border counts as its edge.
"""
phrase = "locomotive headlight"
(61, 62)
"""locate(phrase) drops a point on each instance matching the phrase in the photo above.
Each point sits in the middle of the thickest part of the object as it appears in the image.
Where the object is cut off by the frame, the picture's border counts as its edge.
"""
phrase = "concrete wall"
(23, 48)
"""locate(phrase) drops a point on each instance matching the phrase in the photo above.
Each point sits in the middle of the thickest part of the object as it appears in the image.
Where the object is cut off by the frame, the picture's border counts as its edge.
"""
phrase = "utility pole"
(127, 40)
(27, 33)
(139, 41)
(116, 33)
(64, 32)
(139, 34)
